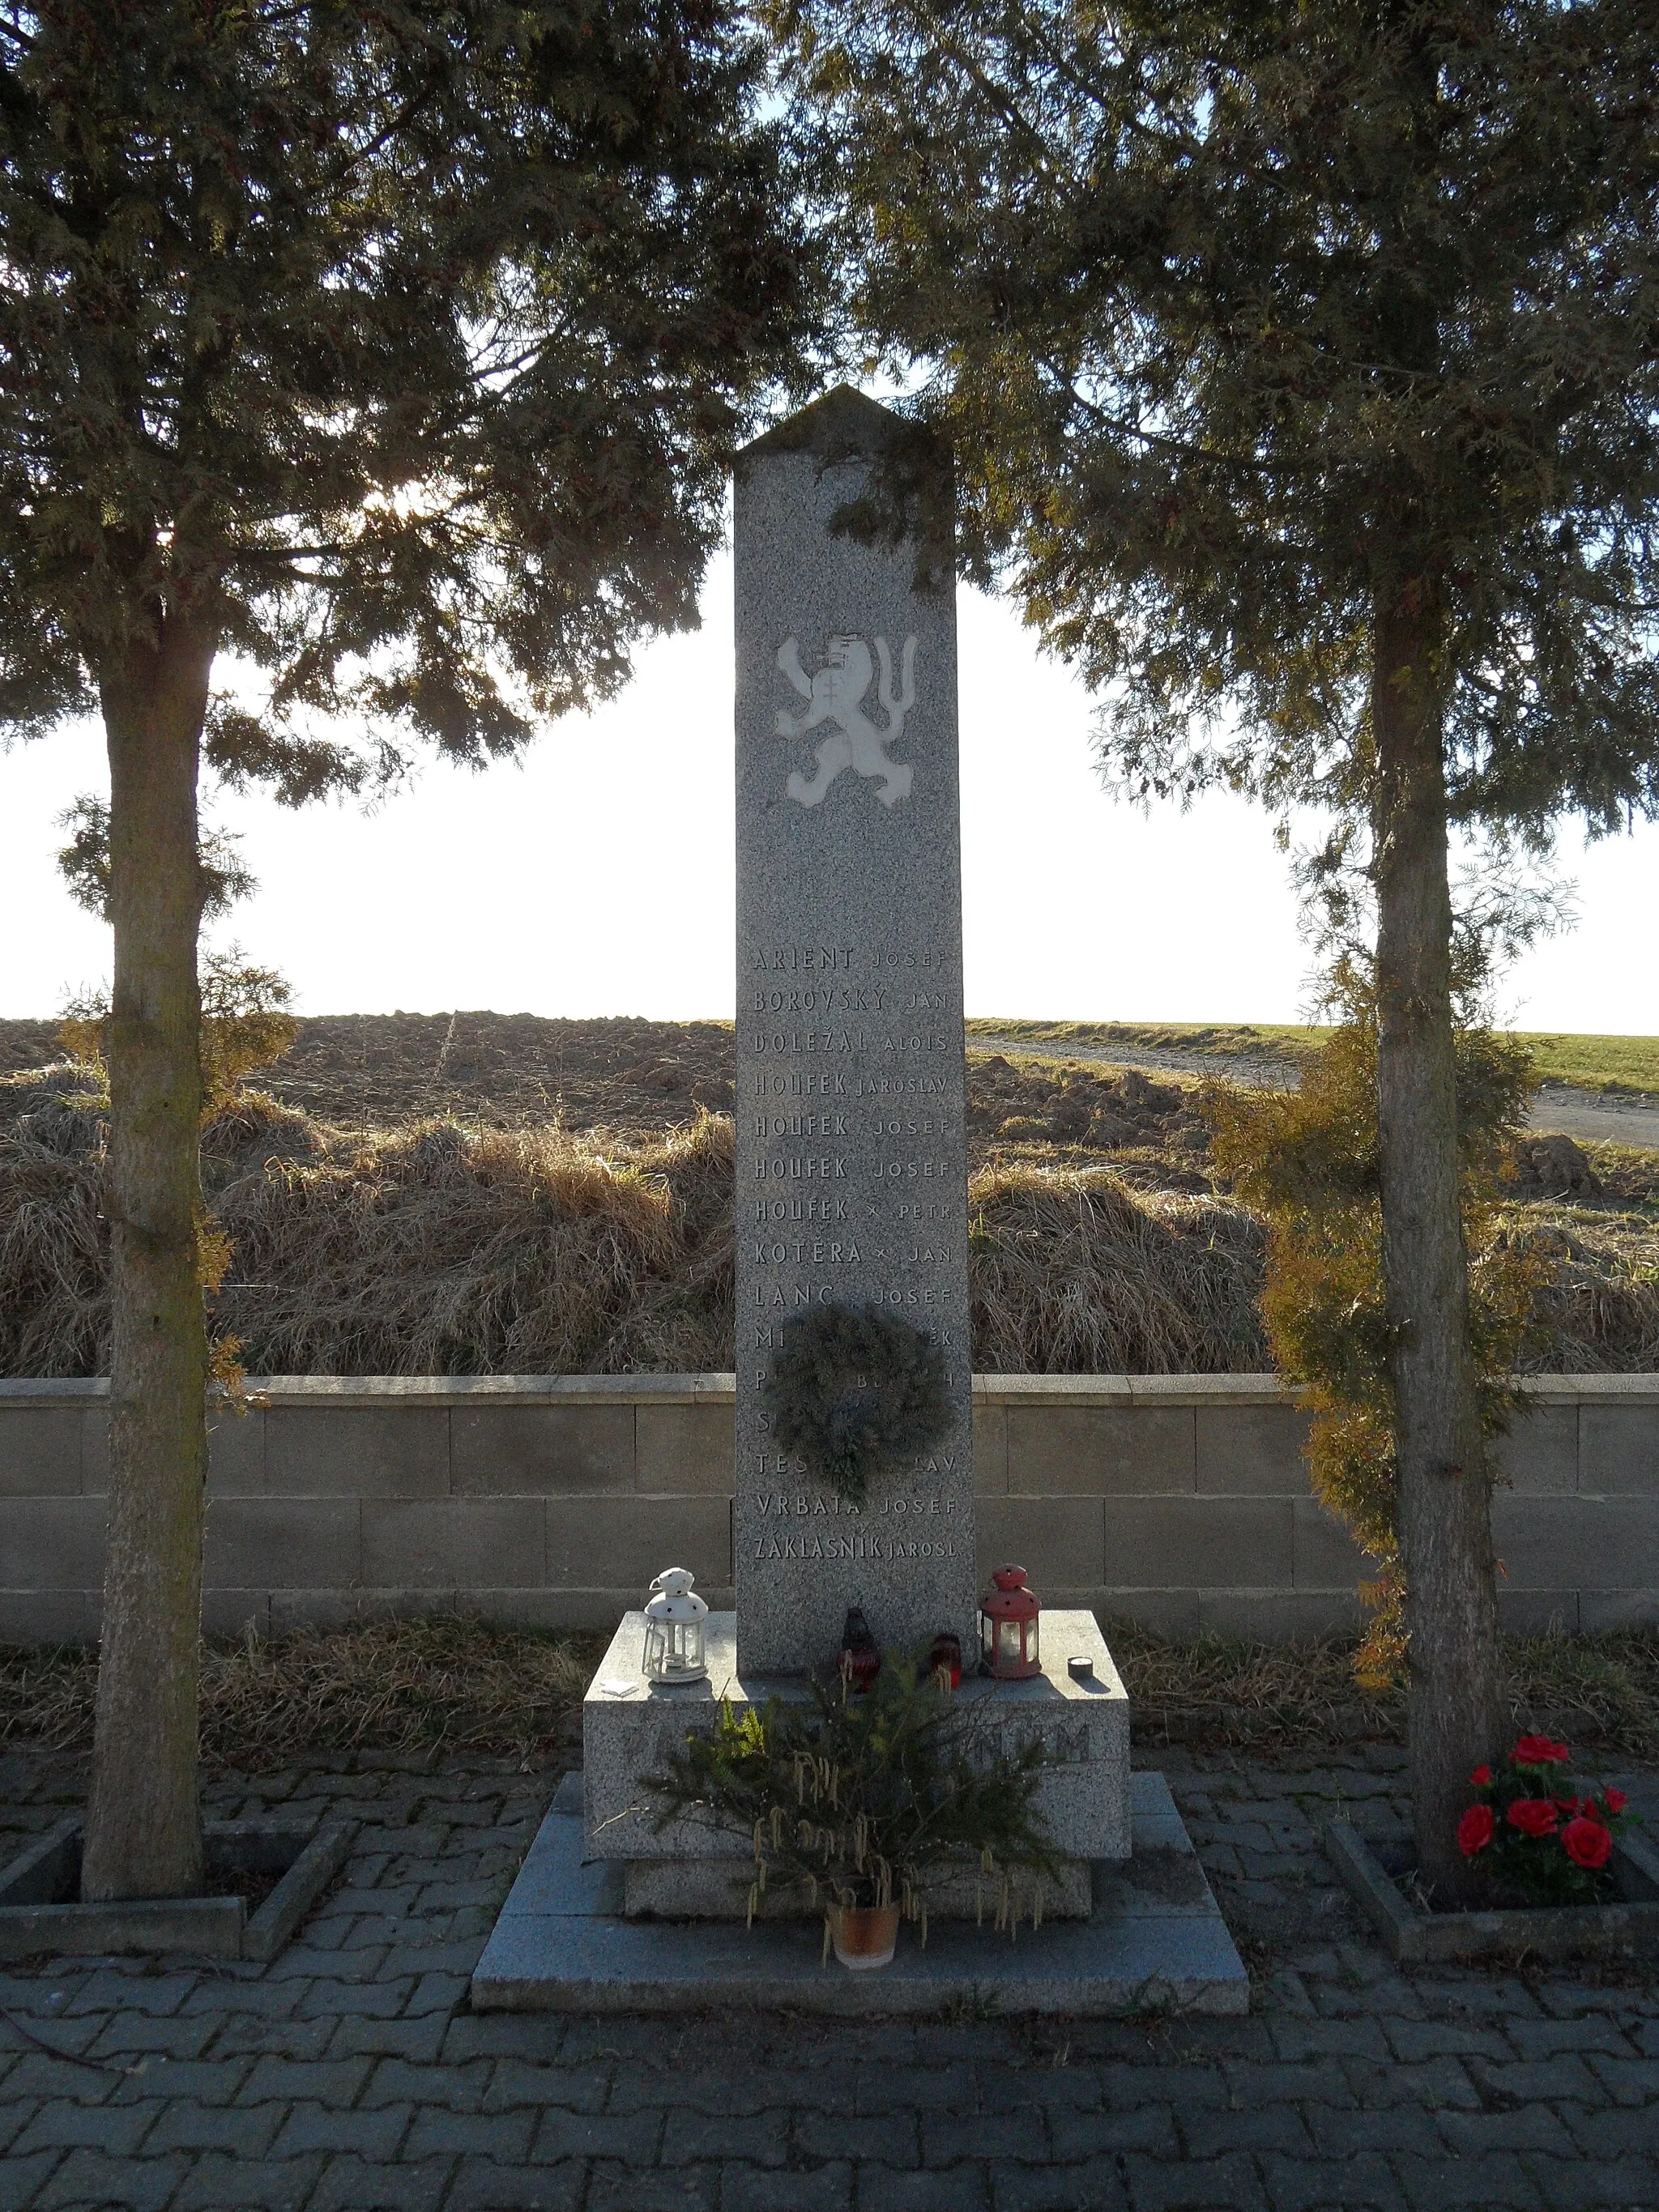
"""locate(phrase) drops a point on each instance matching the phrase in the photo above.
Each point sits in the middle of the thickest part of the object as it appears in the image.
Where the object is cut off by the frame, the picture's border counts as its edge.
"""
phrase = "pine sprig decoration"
(860, 1798)
(856, 1392)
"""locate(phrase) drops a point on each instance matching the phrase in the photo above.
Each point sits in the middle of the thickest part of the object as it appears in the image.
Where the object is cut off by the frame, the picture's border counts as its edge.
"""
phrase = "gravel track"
(1557, 1108)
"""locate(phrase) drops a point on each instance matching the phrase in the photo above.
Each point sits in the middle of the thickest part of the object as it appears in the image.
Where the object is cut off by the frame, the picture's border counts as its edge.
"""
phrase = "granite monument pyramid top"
(843, 421)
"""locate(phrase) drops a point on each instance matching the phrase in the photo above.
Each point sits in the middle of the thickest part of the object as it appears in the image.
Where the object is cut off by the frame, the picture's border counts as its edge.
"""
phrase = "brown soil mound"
(504, 1071)
(27, 1044)
(375, 1072)
(1553, 1166)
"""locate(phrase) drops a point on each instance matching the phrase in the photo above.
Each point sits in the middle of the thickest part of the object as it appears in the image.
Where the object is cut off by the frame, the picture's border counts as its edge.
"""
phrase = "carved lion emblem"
(835, 693)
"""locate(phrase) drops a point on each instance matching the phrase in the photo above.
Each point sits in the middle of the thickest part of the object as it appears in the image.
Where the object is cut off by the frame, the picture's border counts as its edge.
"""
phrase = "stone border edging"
(35, 1918)
(1418, 1938)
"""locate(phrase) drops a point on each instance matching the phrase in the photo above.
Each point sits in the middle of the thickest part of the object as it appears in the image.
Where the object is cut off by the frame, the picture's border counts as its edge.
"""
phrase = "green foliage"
(401, 351)
(84, 862)
(857, 1393)
(860, 1798)
(1307, 1161)
(245, 1024)
(1248, 323)
(1300, 363)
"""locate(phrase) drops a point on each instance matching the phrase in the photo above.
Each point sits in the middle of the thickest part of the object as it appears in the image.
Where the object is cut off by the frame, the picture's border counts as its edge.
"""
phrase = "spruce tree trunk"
(1454, 1701)
(143, 1835)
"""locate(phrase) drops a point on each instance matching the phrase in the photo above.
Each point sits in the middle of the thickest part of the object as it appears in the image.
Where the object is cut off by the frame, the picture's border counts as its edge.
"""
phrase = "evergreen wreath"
(856, 1392)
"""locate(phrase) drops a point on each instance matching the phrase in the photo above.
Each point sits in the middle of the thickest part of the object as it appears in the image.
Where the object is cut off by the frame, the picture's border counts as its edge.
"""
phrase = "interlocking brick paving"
(349, 2073)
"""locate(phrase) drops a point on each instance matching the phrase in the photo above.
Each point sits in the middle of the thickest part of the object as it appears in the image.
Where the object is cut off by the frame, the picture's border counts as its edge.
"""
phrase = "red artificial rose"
(1474, 1829)
(1615, 1800)
(1539, 1751)
(1588, 1842)
(1481, 1776)
(1567, 1805)
(1534, 1816)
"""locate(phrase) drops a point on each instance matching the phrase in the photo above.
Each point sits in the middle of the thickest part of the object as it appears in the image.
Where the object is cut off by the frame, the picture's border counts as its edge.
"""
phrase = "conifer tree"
(399, 352)
(1303, 369)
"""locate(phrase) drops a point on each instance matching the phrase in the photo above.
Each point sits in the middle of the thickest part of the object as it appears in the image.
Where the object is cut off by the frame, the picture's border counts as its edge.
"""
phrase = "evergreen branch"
(1181, 446)
(359, 155)
(1000, 101)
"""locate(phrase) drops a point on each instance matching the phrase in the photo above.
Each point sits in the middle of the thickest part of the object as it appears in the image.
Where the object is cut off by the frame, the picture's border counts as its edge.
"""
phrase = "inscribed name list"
(852, 1162)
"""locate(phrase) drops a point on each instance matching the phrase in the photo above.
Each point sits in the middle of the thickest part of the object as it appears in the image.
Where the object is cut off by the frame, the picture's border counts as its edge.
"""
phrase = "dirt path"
(1265, 1070)
(1592, 1116)
(1589, 1115)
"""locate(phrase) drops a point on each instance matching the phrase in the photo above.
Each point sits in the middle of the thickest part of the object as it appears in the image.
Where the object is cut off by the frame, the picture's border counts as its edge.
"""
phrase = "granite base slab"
(1156, 1942)
(631, 1727)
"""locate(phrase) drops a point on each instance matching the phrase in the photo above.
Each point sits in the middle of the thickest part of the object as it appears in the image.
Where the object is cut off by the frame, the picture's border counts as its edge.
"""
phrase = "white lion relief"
(835, 693)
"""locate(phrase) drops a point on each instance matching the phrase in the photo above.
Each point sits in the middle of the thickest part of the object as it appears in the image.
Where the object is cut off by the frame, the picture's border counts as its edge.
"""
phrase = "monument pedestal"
(612, 1914)
(691, 1870)
(631, 1729)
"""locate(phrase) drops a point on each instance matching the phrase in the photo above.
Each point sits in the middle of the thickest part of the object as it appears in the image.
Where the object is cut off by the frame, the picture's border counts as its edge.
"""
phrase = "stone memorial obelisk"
(851, 1192)
(851, 1145)
(851, 1167)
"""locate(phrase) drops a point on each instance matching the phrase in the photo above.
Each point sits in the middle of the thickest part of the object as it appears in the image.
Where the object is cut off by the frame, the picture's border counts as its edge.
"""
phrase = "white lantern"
(673, 1629)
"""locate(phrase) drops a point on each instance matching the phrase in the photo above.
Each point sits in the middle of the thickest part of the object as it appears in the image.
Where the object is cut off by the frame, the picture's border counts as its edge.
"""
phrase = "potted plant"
(864, 1800)
(1536, 1837)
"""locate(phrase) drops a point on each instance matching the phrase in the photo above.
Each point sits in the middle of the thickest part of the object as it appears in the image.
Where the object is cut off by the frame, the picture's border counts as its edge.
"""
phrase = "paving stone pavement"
(350, 2074)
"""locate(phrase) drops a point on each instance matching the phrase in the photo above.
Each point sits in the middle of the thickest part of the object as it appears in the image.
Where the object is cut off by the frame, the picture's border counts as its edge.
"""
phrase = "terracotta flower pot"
(864, 1934)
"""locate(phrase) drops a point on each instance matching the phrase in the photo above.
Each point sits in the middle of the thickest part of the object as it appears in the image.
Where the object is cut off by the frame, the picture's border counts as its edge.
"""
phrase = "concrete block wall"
(1180, 1500)
(1183, 1501)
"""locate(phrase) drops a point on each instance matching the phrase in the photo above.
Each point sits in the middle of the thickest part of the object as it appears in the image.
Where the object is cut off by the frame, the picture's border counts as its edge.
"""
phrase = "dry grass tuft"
(435, 1250)
(1217, 1690)
(1599, 1306)
(1074, 1274)
(459, 1685)
(444, 1683)
(429, 1249)
(54, 1316)
(1600, 1692)
(436, 1247)
(443, 1251)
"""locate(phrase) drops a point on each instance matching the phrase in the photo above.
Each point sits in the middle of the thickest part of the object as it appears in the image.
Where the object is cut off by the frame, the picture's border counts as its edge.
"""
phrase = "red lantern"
(1008, 1615)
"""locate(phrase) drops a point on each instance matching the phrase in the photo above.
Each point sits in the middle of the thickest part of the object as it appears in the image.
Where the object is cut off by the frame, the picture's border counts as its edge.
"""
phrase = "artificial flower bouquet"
(1538, 1839)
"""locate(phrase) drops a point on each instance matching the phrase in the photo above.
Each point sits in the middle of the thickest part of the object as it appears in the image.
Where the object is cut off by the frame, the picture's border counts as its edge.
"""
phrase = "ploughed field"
(503, 1193)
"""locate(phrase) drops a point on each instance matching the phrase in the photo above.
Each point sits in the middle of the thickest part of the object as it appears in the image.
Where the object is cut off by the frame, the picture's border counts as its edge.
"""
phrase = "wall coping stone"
(1085, 1391)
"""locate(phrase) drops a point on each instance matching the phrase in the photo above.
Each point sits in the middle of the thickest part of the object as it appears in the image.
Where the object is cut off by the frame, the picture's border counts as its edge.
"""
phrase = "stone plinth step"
(1156, 1941)
(718, 1889)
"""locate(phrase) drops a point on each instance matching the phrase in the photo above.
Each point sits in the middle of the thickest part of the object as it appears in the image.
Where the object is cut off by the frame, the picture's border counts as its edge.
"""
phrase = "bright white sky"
(596, 878)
